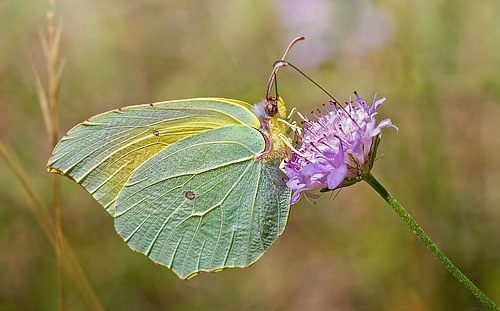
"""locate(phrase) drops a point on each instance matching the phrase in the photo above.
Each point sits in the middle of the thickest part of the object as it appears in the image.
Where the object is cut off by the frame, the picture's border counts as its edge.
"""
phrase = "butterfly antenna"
(276, 67)
(282, 63)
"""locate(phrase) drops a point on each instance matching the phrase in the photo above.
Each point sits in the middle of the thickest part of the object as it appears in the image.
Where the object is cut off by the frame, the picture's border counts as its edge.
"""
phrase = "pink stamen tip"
(306, 129)
(315, 147)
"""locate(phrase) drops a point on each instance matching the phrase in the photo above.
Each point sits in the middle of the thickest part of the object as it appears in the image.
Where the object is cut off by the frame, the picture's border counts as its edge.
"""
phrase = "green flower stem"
(398, 208)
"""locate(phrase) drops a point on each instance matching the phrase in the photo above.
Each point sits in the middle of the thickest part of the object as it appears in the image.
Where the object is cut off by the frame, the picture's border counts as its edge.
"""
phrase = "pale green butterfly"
(194, 184)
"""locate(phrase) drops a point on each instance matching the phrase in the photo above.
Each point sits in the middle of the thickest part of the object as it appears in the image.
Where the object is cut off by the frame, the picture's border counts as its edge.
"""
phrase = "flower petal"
(295, 197)
(336, 176)
(376, 103)
(310, 169)
(387, 123)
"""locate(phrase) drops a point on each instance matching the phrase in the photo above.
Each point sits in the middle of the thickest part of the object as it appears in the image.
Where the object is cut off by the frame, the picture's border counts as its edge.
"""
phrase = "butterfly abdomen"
(276, 136)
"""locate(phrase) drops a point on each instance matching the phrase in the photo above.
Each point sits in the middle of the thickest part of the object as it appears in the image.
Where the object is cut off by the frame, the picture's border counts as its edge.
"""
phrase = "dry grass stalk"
(51, 45)
(45, 220)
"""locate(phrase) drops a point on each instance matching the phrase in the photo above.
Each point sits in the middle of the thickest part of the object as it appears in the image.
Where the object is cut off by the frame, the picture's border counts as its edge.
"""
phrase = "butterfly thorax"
(273, 130)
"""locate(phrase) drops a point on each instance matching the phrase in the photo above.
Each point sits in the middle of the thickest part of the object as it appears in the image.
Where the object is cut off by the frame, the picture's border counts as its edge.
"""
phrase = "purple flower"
(334, 148)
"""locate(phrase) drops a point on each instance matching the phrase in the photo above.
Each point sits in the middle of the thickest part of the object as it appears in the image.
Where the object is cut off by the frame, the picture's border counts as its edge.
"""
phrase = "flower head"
(335, 147)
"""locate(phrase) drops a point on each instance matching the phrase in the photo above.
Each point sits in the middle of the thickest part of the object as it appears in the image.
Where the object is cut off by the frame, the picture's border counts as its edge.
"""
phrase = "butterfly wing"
(182, 180)
(205, 203)
(102, 153)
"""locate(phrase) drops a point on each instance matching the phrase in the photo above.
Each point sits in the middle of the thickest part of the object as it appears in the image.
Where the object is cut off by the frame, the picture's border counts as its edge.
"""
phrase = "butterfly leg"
(291, 126)
(290, 115)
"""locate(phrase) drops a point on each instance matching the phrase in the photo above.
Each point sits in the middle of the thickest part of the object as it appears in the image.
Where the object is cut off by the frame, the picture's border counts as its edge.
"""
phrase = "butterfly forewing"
(103, 152)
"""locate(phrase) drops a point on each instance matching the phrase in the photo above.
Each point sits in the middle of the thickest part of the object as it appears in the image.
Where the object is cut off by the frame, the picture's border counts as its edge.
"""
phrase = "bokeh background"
(437, 62)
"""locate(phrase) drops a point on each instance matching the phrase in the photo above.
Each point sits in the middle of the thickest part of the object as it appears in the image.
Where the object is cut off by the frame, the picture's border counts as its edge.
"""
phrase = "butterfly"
(193, 184)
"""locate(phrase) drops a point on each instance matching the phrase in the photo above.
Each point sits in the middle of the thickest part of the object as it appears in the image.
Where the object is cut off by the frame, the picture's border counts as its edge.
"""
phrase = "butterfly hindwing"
(205, 203)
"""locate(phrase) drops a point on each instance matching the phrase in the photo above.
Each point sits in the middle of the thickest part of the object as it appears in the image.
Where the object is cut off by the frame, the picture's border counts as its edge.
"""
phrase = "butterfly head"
(270, 107)
(275, 107)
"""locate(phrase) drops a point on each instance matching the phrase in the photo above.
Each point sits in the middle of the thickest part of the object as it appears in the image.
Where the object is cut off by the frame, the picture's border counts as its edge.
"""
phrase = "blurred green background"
(437, 62)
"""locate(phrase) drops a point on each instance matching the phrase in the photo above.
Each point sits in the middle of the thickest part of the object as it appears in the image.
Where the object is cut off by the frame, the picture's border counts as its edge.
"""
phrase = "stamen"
(341, 129)
(332, 147)
(350, 108)
(315, 147)
(326, 108)
(308, 130)
(322, 125)
(329, 146)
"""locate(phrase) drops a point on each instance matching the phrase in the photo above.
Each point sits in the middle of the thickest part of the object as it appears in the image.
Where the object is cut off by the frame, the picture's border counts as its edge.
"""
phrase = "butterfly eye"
(271, 107)
(190, 195)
